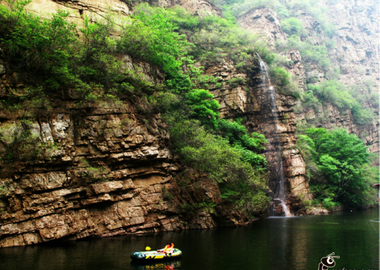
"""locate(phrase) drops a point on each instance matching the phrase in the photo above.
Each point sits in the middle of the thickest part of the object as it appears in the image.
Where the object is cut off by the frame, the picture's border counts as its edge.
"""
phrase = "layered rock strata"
(108, 170)
(96, 170)
(355, 54)
(250, 100)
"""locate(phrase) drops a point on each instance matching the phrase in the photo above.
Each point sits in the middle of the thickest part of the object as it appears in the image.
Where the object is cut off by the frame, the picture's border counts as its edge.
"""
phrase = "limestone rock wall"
(96, 170)
(196, 7)
(78, 10)
(249, 99)
(355, 53)
(108, 170)
(105, 173)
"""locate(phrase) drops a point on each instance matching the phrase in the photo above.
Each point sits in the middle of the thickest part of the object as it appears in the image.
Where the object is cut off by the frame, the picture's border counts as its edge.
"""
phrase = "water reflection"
(293, 241)
(162, 265)
(275, 243)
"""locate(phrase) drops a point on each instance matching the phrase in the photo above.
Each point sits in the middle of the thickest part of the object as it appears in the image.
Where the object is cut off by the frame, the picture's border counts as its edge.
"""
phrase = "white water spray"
(280, 170)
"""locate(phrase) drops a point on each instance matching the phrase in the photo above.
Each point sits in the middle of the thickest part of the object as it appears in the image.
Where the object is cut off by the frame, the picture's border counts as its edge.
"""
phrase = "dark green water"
(275, 243)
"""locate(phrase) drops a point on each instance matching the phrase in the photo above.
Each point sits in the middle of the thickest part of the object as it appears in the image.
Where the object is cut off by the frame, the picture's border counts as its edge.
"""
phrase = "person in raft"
(168, 249)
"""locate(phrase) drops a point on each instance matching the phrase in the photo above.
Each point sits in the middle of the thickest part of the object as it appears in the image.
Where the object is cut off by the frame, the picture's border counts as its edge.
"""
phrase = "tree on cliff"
(86, 67)
(343, 161)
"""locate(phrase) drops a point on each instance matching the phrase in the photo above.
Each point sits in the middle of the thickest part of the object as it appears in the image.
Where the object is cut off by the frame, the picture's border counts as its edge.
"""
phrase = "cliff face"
(355, 53)
(251, 99)
(108, 169)
(99, 169)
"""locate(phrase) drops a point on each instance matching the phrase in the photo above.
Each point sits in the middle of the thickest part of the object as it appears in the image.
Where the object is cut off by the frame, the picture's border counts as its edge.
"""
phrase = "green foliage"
(279, 76)
(93, 173)
(311, 54)
(203, 106)
(221, 148)
(284, 82)
(34, 45)
(215, 156)
(87, 68)
(306, 147)
(234, 82)
(163, 45)
(256, 160)
(28, 102)
(205, 205)
(247, 144)
(317, 11)
(196, 146)
(364, 94)
(59, 59)
(152, 36)
(340, 145)
(334, 92)
(237, 134)
(341, 159)
(3, 192)
(309, 101)
(362, 116)
(210, 45)
(293, 26)
(285, 11)
(329, 203)
(95, 61)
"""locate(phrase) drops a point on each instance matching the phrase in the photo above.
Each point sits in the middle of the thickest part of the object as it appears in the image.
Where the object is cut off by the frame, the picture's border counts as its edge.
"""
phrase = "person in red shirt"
(168, 249)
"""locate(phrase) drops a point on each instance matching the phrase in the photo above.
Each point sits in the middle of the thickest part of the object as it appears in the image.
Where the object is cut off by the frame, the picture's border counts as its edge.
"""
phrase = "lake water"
(296, 243)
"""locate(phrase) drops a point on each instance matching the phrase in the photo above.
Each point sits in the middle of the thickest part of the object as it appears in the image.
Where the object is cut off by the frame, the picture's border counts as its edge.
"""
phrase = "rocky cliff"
(354, 54)
(101, 169)
(108, 169)
(250, 99)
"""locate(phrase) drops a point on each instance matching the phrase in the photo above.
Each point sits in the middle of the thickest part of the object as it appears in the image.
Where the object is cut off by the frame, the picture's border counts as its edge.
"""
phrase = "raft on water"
(149, 255)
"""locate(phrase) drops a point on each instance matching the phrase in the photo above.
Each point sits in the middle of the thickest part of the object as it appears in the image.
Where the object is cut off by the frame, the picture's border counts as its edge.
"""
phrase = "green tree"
(284, 82)
(87, 66)
(203, 106)
(238, 180)
(40, 46)
(341, 158)
(152, 35)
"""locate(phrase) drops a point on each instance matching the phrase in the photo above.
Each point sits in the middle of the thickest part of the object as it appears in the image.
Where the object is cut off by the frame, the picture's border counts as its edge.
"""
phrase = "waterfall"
(277, 167)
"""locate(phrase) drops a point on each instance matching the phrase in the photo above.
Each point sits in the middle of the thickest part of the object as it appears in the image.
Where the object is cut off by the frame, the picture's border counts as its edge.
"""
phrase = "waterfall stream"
(276, 164)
